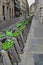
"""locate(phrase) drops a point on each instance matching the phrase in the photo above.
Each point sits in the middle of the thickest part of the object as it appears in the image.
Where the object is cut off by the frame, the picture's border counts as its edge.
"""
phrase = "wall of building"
(27, 8)
(39, 10)
(17, 7)
(22, 6)
(32, 9)
(8, 5)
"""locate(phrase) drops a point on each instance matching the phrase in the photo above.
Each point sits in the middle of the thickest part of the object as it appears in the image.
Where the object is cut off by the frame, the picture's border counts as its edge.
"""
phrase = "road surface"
(7, 24)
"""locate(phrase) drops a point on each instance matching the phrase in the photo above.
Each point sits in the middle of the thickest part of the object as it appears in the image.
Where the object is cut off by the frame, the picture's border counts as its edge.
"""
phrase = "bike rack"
(10, 51)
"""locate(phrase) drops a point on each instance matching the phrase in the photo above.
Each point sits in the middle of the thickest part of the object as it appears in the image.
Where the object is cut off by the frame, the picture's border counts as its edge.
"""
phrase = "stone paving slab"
(36, 45)
(38, 32)
(38, 59)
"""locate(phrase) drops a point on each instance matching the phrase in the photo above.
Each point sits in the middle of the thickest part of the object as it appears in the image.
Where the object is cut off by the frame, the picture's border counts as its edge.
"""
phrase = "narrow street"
(13, 21)
(21, 44)
(33, 52)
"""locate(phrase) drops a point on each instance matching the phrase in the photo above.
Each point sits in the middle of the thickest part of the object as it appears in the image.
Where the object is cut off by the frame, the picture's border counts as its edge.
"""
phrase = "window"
(3, 9)
(7, 9)
(12, 12)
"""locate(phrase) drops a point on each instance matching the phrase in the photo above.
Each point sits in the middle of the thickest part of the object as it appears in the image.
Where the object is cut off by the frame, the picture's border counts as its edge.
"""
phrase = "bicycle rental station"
(12, 42)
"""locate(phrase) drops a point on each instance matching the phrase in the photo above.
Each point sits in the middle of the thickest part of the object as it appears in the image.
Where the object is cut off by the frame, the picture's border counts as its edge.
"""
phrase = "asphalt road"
(7, 24)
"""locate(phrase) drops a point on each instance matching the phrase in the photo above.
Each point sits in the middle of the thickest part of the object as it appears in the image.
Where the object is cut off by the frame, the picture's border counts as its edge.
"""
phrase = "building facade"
(36, 5)
(32, 9)
(27, 7)
(24, 7)
(39, 9)
(20, 7)
(16, 7)
(6, 9)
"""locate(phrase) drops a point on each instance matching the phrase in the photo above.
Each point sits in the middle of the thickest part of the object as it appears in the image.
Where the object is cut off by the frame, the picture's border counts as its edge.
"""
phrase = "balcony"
(8, 2)
(17, 2)
(17, 6)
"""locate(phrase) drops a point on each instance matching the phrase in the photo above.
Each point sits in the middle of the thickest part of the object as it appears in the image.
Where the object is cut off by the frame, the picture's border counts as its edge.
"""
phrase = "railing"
(17, 2)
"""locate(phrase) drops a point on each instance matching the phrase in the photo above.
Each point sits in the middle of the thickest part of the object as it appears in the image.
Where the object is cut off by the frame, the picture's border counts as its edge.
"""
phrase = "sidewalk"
(33, 52)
